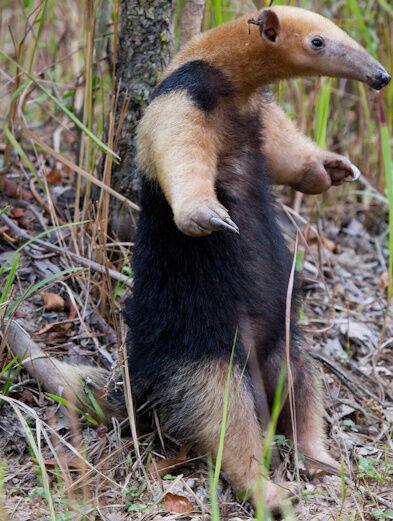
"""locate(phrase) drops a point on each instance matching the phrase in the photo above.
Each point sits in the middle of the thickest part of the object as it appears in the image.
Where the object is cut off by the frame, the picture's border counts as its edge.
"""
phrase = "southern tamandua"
(207, 145)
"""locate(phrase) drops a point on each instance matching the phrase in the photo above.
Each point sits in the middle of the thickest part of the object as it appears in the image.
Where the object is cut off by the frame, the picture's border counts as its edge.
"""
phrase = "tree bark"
(145, 49)
(191, 20)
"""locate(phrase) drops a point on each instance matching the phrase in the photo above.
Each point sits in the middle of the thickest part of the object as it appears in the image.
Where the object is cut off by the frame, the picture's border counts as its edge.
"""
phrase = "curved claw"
(355, 174)
(222, 225)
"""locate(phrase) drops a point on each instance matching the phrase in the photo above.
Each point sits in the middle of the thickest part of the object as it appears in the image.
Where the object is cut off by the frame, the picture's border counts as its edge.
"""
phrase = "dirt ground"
(95, 473)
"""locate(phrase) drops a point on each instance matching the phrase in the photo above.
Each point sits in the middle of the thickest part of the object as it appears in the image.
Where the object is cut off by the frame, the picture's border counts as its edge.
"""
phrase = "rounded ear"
(269, 25)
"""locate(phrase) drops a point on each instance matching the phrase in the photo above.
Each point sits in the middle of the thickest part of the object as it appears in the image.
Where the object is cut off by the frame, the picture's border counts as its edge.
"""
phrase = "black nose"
(381, 79)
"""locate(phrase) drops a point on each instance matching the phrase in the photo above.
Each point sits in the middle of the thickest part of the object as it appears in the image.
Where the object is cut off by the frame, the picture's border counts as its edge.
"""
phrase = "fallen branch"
(38, 364)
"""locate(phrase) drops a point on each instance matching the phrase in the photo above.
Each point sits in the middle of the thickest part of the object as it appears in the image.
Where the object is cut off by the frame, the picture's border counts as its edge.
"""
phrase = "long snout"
(367, 69)
(347, 59)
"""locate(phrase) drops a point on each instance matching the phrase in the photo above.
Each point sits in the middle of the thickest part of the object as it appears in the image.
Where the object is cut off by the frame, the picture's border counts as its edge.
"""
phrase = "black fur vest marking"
(190, 292)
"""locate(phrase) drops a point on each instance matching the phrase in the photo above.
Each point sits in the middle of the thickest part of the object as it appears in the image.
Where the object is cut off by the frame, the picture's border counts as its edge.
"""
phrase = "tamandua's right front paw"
(202, 217)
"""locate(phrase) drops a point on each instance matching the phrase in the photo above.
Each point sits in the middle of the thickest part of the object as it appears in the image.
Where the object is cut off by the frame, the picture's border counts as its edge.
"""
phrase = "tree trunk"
(191, 20)
(145, 49)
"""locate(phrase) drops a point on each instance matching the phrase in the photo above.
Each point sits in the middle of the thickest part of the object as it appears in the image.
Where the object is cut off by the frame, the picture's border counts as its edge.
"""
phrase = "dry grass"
(52, 467)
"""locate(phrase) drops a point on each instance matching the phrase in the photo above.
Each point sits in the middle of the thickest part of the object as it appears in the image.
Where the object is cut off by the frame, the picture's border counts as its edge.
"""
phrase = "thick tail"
(77, 384)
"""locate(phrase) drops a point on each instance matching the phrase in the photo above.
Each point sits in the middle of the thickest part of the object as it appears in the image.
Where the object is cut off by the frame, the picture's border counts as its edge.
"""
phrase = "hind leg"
(309, 410)
(194, 413)
(310, 424)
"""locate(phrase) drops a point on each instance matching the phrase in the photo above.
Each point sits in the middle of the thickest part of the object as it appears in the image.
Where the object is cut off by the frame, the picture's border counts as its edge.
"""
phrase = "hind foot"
(316, 450)
(276, 495)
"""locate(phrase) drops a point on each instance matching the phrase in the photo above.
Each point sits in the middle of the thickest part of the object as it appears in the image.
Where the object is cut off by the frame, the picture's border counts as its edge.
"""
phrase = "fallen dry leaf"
(27, 396)
(52, 301)
(383, 281)
(72, 314)
(55, 326)
(178, 504)
(17, 213)
(53, 176)
(165, 466)
(325, 243)
(11, 189)
(158, 469)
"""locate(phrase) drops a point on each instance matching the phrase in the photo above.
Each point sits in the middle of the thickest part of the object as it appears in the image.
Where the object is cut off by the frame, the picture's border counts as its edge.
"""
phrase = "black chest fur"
(190, 293)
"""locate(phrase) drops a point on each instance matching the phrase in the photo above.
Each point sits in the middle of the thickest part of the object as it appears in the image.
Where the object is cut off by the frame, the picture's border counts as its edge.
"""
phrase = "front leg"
(321, 171)
(177, 146)
(294, 159)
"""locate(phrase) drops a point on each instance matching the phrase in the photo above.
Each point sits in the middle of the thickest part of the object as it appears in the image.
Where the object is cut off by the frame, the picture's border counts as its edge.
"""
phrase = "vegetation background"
(75, 78)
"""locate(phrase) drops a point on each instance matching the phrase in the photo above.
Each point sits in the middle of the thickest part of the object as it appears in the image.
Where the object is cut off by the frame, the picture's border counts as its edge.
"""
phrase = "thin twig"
(288, 316)
(346, 378)
(74, 256)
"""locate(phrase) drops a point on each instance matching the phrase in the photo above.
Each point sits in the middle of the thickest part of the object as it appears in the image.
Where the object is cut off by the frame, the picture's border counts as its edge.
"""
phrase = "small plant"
(2, 478)
(120, 286)
(134, 502)
(244, 495)
(370, 468)
(11, 371)
(282, 441)
(349, 425)
(381, 515)
(89, 402)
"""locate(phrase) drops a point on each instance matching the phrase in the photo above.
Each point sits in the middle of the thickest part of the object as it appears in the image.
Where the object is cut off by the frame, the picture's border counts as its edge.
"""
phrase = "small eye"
(317, 43)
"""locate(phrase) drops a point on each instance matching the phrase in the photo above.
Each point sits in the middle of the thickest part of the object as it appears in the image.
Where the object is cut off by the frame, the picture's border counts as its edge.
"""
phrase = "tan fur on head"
(280, 48)
(311, 44)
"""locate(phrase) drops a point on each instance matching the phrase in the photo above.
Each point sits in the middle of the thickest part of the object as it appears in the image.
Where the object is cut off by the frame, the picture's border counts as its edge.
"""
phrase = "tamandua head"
(307, 44)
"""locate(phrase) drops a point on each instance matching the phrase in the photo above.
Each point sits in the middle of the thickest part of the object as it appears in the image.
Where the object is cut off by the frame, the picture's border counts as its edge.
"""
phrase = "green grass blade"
(38, 457)
(277, 406)
(323, 112)
(36, 39)
(218, 11)
(18, 91)
(3, 468)
(97, 409)
(10, 364)
(66, 111)
(67, 403)
(362, 26)
(214, 510)
(23, 155)
(9, 280)
(279, 399)
(367, 193)
(11, 376)
(388, 166)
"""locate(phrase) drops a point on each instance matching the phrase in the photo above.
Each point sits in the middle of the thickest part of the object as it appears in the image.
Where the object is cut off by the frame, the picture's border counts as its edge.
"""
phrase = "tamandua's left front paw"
(202, 217)
(324, 170)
